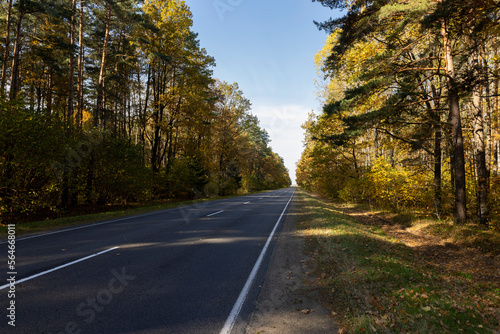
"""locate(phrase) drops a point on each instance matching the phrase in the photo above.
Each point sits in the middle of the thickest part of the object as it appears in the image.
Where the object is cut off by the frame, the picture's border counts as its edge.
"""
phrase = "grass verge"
(377, 284)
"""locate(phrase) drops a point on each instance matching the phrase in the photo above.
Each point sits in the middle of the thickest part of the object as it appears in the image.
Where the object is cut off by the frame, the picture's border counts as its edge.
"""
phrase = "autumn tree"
(114, 101)
(403, 83)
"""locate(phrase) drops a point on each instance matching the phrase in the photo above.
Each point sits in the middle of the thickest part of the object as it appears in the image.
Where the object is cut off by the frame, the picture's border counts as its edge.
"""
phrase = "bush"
(187, 178)
(389, 187)
(119, 173)
(30, 144)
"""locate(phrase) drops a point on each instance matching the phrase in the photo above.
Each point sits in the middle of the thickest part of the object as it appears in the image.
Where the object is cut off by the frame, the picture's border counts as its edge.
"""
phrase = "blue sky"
(268, 48)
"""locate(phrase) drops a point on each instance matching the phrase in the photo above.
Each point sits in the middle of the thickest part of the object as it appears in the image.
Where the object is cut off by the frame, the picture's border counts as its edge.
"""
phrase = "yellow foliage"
(87, 118)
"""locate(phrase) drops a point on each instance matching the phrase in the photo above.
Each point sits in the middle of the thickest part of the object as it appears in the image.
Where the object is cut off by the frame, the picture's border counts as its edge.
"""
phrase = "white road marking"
(215, 213)
(246, 203)
(231, 320)
(96, 224)
(57, 268)
(90, 225)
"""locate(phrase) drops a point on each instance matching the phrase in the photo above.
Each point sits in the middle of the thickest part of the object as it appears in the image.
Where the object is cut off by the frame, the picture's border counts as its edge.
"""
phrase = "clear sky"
(268, 48)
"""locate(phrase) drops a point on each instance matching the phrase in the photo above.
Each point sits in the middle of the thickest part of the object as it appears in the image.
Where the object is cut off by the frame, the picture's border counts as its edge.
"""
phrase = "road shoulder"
(288, 300)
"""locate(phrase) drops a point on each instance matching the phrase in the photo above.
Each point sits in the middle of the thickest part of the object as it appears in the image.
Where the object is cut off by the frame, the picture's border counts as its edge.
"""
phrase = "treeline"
(110, 102)
(411, 107)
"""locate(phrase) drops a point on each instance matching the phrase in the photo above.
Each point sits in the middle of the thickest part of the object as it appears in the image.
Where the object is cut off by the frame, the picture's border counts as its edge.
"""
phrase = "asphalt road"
(176, 271)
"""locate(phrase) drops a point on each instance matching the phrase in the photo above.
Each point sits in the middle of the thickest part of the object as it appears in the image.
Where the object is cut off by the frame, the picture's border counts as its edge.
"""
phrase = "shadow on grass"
(377, 284)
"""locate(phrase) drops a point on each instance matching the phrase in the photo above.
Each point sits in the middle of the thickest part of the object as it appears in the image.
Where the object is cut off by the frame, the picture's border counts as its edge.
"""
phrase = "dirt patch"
(289, 301)
(442, 254)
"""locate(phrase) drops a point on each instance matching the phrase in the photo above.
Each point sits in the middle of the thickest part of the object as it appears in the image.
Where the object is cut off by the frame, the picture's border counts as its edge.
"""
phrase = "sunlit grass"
(377, 284)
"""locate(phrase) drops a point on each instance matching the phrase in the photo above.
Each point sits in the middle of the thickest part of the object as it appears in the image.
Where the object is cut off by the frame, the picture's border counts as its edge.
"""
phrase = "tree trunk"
(456, 125)
(98, 116)
(495, 115)
(71, 64)
(14, 75)
(65, 196)
(434, 114)
(488, 119)
(438, 169)
(158, 111)
(143, 111)
(478, 137)
(6, 49)
(480, 156)
(81, 50)
(49, 93)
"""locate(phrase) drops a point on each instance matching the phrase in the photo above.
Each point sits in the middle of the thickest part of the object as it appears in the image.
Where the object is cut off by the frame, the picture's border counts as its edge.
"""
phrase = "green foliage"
(187, 178)
(30, 145)
(124, 180)
(39, 161)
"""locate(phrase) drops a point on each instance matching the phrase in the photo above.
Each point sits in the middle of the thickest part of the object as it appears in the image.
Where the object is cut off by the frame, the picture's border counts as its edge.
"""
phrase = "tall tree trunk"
(49, 93)
(456, 125)
(81, 50)
(478, 137)
(142, 115)
(355, 159)
(480, 155)
(434, 114)
(14, 75)
(158, 110)
(488, 118)
(6, 49)
(495, 114)
(65, 196)
(98, 116)
(72, 39)
(438, 168)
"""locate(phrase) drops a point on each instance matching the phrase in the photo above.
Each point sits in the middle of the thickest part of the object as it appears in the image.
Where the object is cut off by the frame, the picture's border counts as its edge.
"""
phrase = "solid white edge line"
(231, 320)
(215, 213)
(57, 268)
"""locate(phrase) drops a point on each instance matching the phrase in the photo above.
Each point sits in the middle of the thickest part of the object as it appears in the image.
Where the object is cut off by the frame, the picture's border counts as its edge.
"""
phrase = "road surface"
(194, 269)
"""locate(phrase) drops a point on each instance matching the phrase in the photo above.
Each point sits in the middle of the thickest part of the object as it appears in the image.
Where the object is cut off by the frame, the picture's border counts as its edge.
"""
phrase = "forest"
(410, 121)
(109, 102)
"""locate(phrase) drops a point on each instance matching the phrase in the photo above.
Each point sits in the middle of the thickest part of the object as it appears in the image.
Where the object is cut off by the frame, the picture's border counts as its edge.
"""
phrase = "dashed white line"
(57, 268)
(215, 213)
(91, 225)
